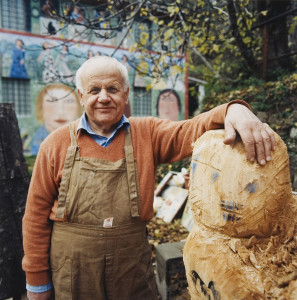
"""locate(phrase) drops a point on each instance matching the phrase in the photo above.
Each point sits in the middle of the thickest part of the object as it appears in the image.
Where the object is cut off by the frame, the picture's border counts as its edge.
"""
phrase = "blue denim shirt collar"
(99, 139)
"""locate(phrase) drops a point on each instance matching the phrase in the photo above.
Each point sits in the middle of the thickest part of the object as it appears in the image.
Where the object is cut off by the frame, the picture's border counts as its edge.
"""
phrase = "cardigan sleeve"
(43, 191)
(172, 141)
(36, 224)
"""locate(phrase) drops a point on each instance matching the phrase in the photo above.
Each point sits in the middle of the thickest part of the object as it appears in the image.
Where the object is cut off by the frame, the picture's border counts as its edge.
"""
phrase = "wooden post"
(14, 182)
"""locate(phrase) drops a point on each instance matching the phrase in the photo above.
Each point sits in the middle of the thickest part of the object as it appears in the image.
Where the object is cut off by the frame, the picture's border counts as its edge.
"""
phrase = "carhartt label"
(107, 223)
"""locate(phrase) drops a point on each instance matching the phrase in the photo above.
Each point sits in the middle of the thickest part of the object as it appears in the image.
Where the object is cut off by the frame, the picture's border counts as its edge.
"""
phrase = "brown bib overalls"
(102, 251)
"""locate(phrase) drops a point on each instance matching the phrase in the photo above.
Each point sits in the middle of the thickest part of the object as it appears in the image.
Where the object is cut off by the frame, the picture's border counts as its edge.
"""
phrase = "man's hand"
(257, 137)
(40, 296)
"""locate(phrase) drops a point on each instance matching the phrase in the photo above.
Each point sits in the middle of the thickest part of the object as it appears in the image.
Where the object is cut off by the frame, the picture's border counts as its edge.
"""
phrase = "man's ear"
(80, 98)
(127, 96)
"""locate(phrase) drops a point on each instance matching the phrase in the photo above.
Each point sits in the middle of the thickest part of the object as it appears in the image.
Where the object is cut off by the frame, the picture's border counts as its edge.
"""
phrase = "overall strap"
(72, 153)
(131, 173)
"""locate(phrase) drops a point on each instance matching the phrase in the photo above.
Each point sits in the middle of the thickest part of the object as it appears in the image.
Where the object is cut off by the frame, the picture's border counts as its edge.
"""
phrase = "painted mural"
(168, 105)
(50, 65)
(56, 105)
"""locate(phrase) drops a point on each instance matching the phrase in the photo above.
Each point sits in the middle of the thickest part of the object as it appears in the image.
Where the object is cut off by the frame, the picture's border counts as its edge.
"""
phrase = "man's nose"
(103, 96)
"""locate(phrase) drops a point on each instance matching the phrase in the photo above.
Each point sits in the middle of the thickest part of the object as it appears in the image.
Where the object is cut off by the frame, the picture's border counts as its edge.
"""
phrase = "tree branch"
(244, 50)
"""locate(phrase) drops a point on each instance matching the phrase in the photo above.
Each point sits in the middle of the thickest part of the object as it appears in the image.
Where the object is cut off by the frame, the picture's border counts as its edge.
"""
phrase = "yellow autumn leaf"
(170, 24)
(168, 34)
(143, 67)
(143, 38)
(133, 47)
(247, 40)
(249, 23)
(143, 12)
(215, 47)
(195, 43)
(294, 76)
(176, 70)
(264, 12)
(148, 87)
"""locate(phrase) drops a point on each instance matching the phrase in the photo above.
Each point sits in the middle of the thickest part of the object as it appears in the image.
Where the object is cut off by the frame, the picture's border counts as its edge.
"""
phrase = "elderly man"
(91, 192)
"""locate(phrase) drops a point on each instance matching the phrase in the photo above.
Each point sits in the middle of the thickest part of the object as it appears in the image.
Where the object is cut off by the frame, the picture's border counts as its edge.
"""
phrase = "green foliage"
(30, 161)
(276, 99)
(275, 103)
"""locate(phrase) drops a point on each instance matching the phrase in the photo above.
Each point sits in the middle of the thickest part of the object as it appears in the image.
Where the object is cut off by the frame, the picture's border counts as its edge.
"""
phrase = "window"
(15, 15)
(142, 104)
(17, 91)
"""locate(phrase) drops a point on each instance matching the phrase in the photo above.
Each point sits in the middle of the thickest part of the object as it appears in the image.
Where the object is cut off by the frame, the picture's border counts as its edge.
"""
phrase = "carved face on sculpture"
(234, 196)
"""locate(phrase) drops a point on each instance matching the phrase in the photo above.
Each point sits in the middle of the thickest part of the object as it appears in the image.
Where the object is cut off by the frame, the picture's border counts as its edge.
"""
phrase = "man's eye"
(95, 91)
(112, 89)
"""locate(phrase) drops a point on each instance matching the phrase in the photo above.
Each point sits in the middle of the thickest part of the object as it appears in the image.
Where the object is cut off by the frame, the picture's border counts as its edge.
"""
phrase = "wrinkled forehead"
(100, 71)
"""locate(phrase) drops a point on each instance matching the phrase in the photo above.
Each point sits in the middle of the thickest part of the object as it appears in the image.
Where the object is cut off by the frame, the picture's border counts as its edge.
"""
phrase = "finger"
(259, 145)
(271, 135)
(268, 143)
(249, 143)
(230, 134)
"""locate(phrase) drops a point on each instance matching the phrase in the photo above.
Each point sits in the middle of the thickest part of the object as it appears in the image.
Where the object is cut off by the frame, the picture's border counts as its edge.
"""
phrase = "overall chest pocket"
(101, 176)
(101, 192)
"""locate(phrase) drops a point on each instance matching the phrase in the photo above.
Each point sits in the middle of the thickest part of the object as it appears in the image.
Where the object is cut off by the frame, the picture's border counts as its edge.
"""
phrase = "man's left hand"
(257, 137)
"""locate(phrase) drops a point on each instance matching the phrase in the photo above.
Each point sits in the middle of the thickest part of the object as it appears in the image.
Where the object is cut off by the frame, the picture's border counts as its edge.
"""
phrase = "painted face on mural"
(19, 44)
(103, 98)
(168, 106)
(59, 108)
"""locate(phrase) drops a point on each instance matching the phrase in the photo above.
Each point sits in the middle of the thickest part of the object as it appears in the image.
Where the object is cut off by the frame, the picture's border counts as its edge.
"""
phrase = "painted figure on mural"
(49, 72)
(18, 69)
(61, 63)
(90, 54)
(168, 105)
(125, 62)
(47, 9)
(78, 15)
(56, 105)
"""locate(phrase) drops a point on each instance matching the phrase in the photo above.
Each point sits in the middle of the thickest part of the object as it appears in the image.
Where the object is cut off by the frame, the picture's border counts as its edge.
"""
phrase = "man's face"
(103, 98)
(168, 107)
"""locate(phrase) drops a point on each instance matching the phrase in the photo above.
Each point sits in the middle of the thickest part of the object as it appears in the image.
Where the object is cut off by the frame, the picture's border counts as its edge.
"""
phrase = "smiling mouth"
(104, 108)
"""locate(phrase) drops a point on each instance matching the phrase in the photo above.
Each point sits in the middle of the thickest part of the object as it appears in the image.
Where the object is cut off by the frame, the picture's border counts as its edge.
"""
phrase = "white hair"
(101, 60)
